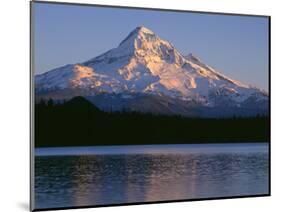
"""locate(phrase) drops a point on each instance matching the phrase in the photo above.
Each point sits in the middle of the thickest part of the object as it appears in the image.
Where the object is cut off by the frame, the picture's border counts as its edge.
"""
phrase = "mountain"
(148, 74)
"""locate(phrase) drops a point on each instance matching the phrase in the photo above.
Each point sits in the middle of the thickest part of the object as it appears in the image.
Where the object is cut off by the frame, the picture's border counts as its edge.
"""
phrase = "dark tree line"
(78, 122)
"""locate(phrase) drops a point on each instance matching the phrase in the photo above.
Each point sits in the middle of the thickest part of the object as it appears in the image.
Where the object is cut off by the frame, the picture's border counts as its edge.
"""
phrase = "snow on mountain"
(143, 63)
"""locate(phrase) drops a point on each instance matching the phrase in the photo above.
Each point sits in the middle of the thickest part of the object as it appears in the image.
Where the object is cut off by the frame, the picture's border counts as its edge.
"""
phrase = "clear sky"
(236, 46)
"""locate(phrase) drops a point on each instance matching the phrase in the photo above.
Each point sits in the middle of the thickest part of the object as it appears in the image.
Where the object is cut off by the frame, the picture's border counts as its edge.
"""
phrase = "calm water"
(82, 176)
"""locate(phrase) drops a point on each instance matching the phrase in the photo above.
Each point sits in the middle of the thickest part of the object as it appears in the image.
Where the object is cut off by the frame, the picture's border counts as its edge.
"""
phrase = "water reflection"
(65, 181)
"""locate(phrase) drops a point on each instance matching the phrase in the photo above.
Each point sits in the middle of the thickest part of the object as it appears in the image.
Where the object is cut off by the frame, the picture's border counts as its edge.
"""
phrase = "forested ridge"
(78, 122)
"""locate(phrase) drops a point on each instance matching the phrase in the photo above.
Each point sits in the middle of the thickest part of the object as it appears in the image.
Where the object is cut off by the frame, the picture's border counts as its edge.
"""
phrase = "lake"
(84, 176)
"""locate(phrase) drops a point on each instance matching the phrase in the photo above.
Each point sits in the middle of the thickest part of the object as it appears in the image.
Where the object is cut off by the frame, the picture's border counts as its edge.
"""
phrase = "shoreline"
(153, 149)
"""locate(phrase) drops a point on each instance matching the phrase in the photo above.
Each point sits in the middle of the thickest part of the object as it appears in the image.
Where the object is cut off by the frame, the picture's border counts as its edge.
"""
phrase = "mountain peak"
(142, 29)
(140, 33)
(142, 42)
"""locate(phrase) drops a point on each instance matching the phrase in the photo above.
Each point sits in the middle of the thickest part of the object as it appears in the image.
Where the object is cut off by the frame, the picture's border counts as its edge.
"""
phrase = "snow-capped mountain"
(148, 74)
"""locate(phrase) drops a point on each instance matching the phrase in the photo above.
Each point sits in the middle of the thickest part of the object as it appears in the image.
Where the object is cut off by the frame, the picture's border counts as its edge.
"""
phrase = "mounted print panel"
(137, 105)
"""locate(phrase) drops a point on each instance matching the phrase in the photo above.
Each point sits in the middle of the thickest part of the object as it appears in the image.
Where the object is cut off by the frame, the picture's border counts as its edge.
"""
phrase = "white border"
(14, 110)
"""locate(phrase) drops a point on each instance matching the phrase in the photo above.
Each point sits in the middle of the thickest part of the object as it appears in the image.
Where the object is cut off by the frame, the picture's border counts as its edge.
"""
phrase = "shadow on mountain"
(78, 122)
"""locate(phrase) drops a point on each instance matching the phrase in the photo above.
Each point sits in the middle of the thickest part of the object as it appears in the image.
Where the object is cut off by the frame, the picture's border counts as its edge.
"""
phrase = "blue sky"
(236, 46)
